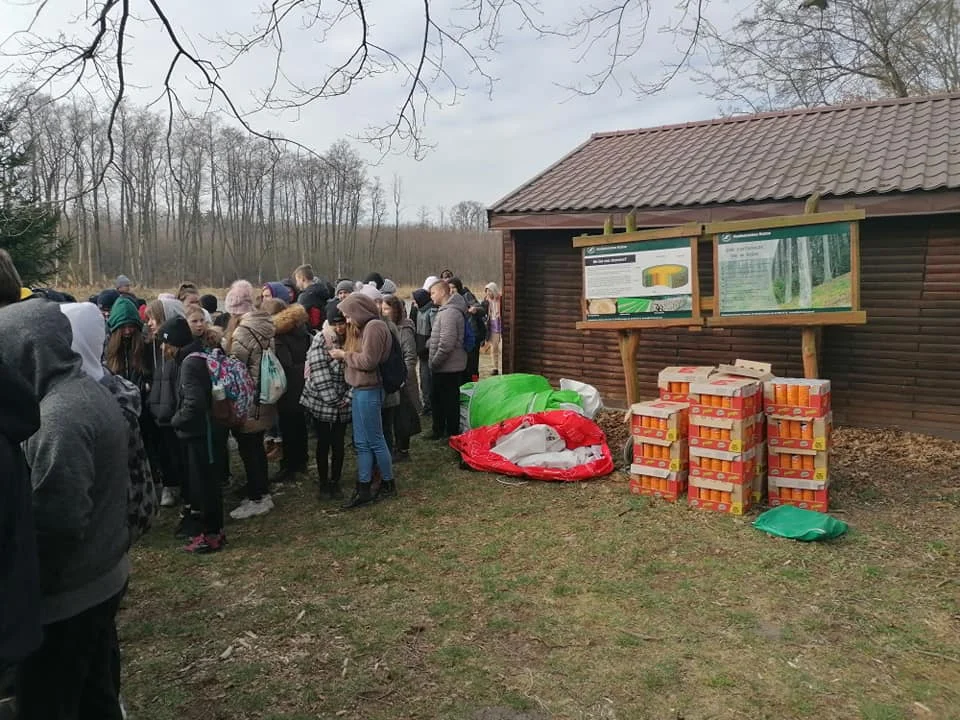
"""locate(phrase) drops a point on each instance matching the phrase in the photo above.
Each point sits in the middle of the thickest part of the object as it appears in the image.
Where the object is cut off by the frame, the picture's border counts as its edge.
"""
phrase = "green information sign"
(784, 271)
(647, 280)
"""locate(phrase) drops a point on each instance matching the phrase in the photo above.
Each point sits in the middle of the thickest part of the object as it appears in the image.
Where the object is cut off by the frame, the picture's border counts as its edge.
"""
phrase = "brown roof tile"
(899, 145)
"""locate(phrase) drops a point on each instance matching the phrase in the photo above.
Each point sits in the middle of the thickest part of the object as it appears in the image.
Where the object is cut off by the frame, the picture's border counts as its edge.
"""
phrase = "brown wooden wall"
(902, 369)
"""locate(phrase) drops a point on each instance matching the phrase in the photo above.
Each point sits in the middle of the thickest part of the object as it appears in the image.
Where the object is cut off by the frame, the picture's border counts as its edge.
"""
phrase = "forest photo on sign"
(785, 270)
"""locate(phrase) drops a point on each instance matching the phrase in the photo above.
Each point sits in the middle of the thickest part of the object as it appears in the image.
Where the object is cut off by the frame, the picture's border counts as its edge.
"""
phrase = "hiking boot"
(251, 508)
(361, 496)
(169, 497)
(387, 489)
(205, 543)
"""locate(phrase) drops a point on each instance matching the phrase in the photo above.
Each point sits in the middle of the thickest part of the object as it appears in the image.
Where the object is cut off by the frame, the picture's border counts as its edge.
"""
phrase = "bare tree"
(378, 208)
(781, 56)
(397, 207)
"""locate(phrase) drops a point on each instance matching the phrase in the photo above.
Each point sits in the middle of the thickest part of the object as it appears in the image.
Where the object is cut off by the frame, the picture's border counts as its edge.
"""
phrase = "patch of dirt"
(616, 430)
(500, 713)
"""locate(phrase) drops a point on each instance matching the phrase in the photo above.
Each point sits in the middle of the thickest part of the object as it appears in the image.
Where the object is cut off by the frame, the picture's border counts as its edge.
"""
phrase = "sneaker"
(170, 497)
(250, 508)
(203, 544)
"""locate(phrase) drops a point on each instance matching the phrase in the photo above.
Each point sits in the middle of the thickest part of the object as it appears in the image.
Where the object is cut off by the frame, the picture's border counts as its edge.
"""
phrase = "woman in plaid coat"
(326, 396)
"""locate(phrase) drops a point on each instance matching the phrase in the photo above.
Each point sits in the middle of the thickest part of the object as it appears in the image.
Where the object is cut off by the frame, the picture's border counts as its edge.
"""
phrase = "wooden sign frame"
(692, 231)
(855, 316)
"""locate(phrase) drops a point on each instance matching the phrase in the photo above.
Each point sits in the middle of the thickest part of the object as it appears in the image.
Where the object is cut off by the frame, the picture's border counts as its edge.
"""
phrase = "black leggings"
(254, 459)
(446, 403)
(206, 468)
(330, 438)
(170, 455)
(293, 429)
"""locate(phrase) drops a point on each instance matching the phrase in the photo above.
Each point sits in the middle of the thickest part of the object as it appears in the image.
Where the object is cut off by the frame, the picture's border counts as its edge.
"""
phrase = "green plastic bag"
(508, 396)
(797, 524)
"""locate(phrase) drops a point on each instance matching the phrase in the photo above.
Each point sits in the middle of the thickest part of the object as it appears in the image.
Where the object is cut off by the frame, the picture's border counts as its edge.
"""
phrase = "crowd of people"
(109, 398)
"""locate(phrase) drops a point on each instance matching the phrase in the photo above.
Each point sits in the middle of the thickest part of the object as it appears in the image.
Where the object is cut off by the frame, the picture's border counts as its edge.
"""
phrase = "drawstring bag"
(796, 523)
(273, 380)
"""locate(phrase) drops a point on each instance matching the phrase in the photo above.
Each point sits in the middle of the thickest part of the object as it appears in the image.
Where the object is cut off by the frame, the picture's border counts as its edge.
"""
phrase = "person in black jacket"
(477, 316)
(202, 440)
(293, 340)
(314, 294)
(20, 629)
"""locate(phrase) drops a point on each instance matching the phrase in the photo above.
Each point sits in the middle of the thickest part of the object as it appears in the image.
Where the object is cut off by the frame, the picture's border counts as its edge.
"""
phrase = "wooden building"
(899, 160)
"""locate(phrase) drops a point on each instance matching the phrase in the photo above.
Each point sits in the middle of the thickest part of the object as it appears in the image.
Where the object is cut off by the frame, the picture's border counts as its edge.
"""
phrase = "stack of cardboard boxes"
(660, 452)
(723, 443)
(799, 425)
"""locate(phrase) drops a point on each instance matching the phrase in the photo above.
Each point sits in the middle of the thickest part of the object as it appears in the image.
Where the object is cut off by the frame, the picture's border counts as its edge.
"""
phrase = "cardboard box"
(674, 382)
(725, 434)
(724, 396)
(806, 494)
(654, 482)
(798, 464)
(759, 371)
(737, 468)
(673, 456)
(719, 496)
(659, 419)
(796, 397)
(803, 434)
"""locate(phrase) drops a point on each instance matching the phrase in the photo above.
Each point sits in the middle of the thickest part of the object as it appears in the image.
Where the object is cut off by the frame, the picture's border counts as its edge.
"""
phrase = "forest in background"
(199, 199)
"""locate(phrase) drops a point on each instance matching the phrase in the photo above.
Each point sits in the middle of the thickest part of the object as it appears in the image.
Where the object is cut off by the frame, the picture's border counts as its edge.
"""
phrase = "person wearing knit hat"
(239, 300)
(122, 284)
(209, 303)
(345, 288)
(105, 301)
(426, 312)
(124, 314)
(176, 333)
(375, 278)
(276, 290)
(430, 282)
(389, 287)
(371, 291)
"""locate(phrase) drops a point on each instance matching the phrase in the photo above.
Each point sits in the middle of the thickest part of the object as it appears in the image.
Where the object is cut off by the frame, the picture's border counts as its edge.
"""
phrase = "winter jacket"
(314, 299)
(391, 400)
(446, 341)
(425, 317)
(19, 584)
(293, 341)
(251, 337)
(193, 394)
(162, 401)
(363, 368)
(78, 465)
(479, 318)
(408, 346)
(326, 395)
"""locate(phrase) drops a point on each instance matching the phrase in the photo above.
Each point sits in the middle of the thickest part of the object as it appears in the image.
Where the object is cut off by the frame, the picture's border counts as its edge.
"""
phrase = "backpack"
(238, 393)
(143, 502)
(469, 334)
(393, 370)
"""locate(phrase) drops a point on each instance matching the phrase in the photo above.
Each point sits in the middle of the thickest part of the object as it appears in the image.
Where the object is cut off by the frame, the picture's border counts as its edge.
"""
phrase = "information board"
(647, 280)
(785, 271)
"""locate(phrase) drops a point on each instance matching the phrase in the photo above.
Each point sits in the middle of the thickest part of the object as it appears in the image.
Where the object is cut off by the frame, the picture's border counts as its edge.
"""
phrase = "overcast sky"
(484, 146)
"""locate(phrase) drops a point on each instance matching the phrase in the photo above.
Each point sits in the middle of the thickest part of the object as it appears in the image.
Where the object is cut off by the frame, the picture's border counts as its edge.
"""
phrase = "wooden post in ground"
(810, 336)
(629, 341)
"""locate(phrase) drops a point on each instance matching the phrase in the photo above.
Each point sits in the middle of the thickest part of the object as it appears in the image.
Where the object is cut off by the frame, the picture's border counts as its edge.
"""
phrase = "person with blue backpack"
(476, 331)
(448, 358)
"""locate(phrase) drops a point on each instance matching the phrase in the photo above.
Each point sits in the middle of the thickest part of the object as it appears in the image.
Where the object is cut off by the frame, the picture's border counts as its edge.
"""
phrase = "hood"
(430, 282)
(259, 323)
(19, 411)
(330, 335)
(89, 333)
(421, 297)
(359, 308)
(493, 288)
(124, 312)
(408, 323)
(172, 308)
(36, 343)
(456, 301)
(279, 291)
(288, 320)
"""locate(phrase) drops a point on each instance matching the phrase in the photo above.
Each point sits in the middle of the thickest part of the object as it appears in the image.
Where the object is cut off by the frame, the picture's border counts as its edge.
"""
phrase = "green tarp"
(499, 398)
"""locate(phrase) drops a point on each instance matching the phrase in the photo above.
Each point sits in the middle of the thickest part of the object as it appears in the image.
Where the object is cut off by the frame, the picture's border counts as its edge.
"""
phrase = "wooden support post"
(810, 349)
(629, 341)
(608, 225)
(631, 222)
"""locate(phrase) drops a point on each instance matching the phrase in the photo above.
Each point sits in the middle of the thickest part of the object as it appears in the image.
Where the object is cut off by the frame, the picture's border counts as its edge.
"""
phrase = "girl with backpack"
(293, 341)
(492, 308)
(367, 347)
(406, 418)
(326, 396)
(204, 442)
(248, 337)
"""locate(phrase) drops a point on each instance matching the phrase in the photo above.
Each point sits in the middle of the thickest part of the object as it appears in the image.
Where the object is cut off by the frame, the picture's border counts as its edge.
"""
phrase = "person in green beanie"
(125, 348)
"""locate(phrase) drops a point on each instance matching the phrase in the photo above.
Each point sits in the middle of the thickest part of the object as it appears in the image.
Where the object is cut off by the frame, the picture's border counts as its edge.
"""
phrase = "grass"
(546, 600)
(833, 293)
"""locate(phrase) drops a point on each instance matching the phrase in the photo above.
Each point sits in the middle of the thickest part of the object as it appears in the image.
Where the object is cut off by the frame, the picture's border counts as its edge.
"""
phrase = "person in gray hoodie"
(448, 359)
(78, 471)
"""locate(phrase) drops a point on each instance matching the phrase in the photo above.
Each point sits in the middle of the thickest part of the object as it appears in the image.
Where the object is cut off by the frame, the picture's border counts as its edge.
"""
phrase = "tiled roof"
(888, 146)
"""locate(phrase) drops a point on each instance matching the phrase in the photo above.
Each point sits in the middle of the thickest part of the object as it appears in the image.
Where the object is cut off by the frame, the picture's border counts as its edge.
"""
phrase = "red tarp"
(475, 446)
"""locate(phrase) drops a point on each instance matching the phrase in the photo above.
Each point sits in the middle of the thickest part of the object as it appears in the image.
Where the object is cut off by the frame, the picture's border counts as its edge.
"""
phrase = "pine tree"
(29, 228)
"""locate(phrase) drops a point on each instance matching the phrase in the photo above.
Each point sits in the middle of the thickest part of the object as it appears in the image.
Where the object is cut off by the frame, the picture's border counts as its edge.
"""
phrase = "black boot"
(388, 489)
(361, 496)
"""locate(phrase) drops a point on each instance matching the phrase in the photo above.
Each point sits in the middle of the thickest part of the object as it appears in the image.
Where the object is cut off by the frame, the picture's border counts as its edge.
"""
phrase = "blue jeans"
(368, 437)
